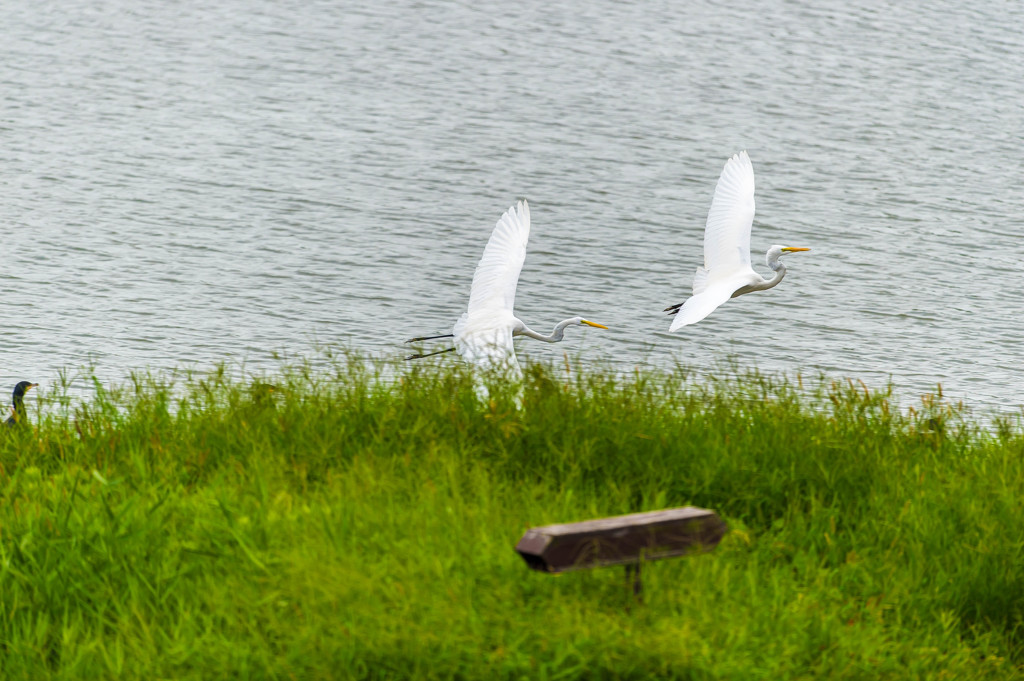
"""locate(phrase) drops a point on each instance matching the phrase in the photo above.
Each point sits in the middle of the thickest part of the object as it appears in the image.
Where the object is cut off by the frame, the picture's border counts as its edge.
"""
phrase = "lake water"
(190, 182)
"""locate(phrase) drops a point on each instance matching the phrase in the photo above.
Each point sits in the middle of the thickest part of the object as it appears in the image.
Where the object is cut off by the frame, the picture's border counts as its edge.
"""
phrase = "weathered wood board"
(621, 540)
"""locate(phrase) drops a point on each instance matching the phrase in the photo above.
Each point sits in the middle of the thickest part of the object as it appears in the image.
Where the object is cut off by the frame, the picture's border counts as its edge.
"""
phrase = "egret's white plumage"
(727, 272)
(483, 334)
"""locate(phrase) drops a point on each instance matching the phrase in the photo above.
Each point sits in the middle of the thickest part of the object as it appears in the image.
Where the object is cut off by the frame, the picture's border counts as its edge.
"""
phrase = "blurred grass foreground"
(357, 521)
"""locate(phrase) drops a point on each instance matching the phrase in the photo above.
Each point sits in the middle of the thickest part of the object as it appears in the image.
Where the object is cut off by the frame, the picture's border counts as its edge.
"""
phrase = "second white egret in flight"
(483, 334)
(727, 272)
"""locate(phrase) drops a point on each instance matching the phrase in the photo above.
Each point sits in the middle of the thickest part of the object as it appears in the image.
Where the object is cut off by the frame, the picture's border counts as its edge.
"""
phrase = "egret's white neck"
(780, 272)
(556, 334)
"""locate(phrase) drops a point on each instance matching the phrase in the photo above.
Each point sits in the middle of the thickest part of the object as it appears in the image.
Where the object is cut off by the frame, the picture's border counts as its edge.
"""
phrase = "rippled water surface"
(185, 183)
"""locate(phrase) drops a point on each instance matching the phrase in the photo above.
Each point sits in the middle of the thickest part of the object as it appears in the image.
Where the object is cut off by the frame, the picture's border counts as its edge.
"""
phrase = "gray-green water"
(191, 182)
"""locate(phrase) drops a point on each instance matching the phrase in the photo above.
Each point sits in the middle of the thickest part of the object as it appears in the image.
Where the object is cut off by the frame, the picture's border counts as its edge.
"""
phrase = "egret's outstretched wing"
(704, 303)
(727, 231)
(497, 273)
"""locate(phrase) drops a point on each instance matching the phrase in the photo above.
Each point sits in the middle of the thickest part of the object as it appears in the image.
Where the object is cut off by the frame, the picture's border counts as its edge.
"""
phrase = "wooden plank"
(621, 540)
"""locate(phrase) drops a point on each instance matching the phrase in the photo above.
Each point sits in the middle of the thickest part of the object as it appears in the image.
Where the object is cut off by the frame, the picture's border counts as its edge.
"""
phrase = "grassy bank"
(340, 526)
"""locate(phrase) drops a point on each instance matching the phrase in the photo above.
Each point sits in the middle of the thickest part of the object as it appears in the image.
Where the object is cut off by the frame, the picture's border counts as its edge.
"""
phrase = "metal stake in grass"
(633, 579)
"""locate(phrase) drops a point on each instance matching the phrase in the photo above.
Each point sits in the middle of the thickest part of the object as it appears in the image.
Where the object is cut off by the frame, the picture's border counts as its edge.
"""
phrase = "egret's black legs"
(430, 354)
(673, 309)
(443, 335)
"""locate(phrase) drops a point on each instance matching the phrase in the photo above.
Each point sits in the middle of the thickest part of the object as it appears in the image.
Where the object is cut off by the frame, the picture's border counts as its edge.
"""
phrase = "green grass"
(344, 526)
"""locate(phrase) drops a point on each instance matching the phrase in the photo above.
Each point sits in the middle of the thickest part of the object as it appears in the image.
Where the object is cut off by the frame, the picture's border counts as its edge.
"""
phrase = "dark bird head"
(20, 390)
(18, 399)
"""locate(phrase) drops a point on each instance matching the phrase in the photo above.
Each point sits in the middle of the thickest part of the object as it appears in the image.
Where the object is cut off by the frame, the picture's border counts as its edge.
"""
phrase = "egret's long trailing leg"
(430, 354)
(423, 338)
(673, 309)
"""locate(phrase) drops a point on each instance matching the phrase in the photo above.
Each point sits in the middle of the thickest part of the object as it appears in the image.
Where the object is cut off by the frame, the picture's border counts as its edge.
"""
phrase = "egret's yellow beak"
(793, 249)
(593, 324)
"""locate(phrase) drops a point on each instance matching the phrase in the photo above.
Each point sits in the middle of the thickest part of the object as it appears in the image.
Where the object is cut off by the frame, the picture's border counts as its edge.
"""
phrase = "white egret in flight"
(483, 334)
(727, 272)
